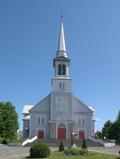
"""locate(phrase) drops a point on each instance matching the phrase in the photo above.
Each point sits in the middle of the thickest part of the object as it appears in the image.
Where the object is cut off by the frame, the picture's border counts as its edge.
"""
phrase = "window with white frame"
(60, 85)
(38, 120)
(82, 120)
(41, 120)
(63, 85)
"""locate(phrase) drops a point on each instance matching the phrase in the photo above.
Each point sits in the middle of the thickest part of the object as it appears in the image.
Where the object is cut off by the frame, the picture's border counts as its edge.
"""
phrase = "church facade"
(60, 113)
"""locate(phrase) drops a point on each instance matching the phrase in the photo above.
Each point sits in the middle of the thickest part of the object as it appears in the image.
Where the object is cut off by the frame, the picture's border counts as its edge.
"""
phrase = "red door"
(41, 134)
(61, 133)
(81, 135)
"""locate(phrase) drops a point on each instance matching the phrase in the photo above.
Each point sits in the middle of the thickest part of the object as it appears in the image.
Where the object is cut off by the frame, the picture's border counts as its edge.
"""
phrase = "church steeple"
(61, 80)
(61, 52)
(61, 62)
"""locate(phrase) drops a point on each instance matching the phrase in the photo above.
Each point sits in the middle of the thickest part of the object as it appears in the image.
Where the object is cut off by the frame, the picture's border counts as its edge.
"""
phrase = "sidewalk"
(108, 150)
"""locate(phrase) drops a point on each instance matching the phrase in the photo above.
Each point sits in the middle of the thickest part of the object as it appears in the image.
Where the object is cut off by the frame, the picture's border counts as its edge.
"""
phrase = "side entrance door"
(41, 134)
(81, 134)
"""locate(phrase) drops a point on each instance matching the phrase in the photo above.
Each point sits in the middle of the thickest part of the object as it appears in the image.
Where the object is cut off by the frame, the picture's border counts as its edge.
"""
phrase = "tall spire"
(61, 45)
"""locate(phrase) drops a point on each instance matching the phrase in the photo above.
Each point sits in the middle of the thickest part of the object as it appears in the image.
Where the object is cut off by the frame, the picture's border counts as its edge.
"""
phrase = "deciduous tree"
(111, 130)
(8, 121)
(107, 130)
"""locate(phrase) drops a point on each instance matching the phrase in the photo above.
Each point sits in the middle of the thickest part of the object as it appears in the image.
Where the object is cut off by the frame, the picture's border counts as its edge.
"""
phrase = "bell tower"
(61, 93)
(61, 80)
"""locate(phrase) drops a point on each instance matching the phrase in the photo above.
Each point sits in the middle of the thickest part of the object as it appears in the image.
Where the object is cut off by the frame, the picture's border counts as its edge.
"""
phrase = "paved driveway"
(12, 152)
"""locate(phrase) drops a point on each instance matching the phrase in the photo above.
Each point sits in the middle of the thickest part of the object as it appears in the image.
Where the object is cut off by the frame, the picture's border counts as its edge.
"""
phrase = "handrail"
(29, 141)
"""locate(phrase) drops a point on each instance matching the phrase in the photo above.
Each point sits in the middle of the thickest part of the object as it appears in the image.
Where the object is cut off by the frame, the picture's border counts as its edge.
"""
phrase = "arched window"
(63, 69)
(61, 126)
(43, 120)
(63, 85)
(39, 120)
(82, 120)
(59, 69)
(60, 85)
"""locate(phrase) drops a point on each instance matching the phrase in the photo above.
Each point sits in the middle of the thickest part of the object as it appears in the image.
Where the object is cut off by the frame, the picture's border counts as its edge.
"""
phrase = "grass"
(91, 155)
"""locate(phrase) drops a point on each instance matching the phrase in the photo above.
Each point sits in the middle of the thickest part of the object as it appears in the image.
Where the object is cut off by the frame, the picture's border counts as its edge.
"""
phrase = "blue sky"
(28, 43)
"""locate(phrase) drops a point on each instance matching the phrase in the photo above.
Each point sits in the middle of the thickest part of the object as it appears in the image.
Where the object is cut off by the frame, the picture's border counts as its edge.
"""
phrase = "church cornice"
(61, 59)
(62, 78)
(59, 121)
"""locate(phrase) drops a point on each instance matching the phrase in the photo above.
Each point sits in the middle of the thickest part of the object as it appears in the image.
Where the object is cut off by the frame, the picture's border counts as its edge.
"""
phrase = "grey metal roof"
(26, 108)
(61, 45)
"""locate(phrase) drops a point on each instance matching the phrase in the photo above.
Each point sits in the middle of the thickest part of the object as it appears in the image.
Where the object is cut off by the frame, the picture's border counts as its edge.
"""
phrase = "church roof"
(79, 106)
(90, 107)
(42, 106)
(61, 44)
(26, 108)
(26, 117)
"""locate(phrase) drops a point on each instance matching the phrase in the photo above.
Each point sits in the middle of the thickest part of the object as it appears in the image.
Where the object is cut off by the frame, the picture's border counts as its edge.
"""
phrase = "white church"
(59, 113)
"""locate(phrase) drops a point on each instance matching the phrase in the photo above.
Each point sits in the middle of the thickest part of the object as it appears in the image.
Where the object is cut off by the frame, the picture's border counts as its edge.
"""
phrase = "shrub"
(83, 151)
(39, 151)
(75, 151)
(1, 140)
(4, 141)
(61, 146)
(118, 141)
(71, 151)
(84, 146)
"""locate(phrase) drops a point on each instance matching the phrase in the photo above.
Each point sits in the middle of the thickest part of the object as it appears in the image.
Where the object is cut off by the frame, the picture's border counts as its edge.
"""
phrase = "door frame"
(57, 126)
(43, 131)
(82, 130)
(61, 133)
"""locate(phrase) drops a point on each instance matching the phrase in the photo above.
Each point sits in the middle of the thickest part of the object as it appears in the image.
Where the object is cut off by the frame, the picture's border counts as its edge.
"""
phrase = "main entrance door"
(41, 134)
(81, 134)
(61, 131)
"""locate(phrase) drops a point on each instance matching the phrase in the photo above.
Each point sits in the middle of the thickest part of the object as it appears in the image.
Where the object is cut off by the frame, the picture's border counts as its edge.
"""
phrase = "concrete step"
(54, 143)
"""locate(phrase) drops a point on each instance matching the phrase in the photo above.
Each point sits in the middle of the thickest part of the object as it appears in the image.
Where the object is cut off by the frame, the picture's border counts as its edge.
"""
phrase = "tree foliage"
(118, 116)
(116, 131)
(106, 130)
(8, 121)
(99, 135)
(111, 130)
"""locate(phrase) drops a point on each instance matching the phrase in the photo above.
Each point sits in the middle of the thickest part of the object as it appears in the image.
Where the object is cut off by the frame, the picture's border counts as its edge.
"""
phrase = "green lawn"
(91, 155)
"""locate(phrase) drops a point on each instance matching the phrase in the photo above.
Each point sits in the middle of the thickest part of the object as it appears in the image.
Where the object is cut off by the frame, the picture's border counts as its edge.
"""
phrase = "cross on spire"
(61, 16)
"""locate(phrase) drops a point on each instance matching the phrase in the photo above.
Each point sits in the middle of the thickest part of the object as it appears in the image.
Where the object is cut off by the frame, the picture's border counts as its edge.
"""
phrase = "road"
(14, 152)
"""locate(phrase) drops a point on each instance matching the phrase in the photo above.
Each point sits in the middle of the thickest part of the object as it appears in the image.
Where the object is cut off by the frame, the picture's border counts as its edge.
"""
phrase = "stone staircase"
(55, 143)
